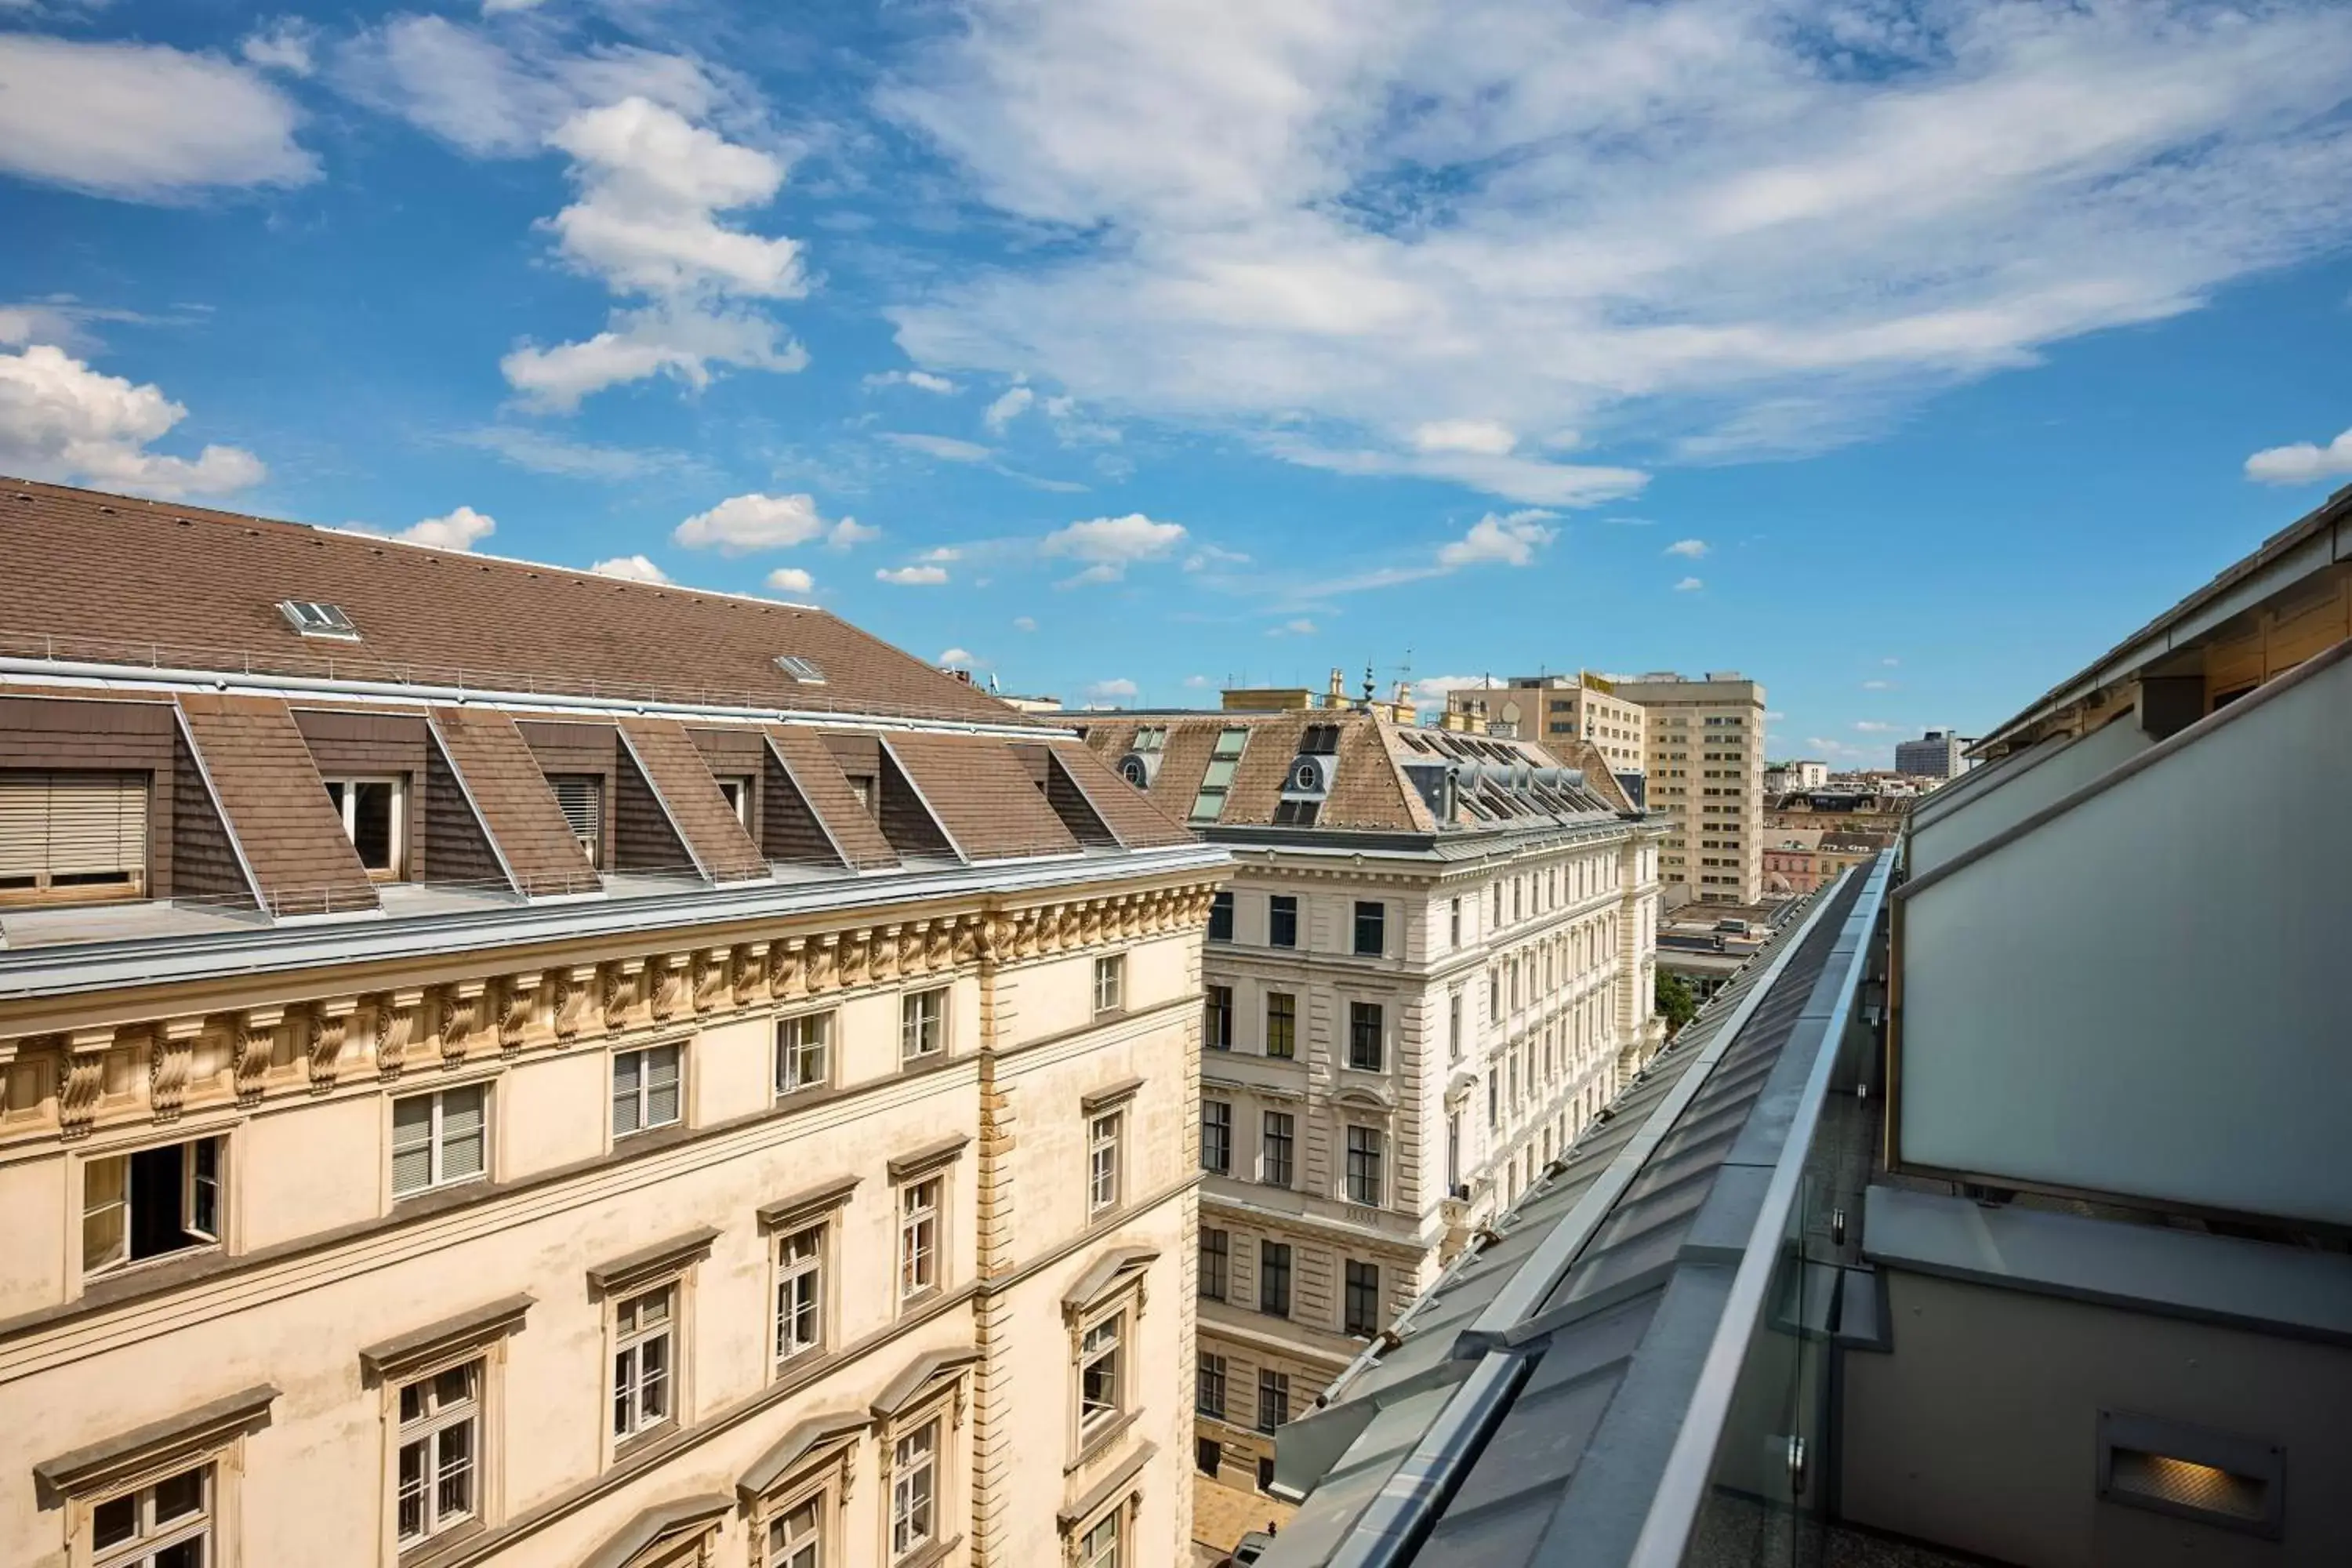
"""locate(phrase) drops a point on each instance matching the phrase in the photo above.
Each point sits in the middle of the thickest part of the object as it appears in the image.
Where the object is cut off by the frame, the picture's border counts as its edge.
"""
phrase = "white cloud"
(962, 657)
(920, 380)
(283, 45)
(1484, 436)
(630, 569)
(142, 122)
(941, 552)
(1878, 686)
(59, 419)
(1511, 540)
(849, 531)
(1872, 727)
(545, 452)
(1301, 628)
(1205, 556)
(792, 580)
(1111, 544)
(1007, 408)
(945, 447)
(1691, 548)
(505, 8)
(1024, 623)
(1198, 683)
(754, 521)
(652, 185)
(459, 529)
(912, 576)
(1740, 228)
(2302, 463)
(1890, 663)
(1689, 585)
(1117, 689)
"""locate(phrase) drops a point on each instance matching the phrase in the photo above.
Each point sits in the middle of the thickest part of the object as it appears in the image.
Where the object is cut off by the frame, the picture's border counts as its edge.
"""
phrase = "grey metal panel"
(2046, 777)
(2206, 1074)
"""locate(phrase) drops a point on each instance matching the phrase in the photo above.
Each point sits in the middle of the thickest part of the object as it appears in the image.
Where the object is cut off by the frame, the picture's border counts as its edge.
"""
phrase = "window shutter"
(582, 797)
(73, 825)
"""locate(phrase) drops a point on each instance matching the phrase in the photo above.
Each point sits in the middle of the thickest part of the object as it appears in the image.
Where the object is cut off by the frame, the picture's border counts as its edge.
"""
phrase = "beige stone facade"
(1705, 751)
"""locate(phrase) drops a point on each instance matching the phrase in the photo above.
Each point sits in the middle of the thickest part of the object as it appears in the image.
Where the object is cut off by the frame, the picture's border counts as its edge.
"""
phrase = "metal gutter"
(65, 969)
(320, 688)
(1682, 1485)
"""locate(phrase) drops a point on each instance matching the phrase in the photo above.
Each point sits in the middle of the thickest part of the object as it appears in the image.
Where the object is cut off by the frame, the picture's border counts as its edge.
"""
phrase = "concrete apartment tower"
(1934, 755)
(1705, 747)
(501, 1066)
(1433, 968)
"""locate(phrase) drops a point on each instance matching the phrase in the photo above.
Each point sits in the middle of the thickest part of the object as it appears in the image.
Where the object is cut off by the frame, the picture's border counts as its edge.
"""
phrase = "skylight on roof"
(314, 620)
(807, 671)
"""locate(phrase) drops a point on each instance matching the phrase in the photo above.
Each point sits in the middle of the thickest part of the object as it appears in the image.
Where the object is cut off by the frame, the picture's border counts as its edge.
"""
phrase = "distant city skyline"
(1199, 366)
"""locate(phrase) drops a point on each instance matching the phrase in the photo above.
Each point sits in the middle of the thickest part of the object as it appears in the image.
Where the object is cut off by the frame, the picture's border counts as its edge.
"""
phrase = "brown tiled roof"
(710, 830)
(982, 797)
(827, 789)
(276, 803)
(113, 579)
(511, 796)
(1136, 821)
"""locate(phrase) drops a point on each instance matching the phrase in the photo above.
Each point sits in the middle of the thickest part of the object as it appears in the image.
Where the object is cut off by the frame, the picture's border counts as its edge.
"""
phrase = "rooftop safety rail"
(49, 647)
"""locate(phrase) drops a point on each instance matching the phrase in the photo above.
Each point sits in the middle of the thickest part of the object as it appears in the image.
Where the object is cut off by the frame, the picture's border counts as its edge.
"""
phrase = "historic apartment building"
(1551, 710)
(1433, 968)
(1704, 746)
(503, 1065)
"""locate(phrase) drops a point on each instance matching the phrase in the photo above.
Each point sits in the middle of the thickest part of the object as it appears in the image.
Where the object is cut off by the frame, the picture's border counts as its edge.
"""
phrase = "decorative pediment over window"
(807, 1206)
(1120, 1479)
(174, 1440)
(1356, 1097)
(650, 1263)
(931, 1157)
(926, 1375)
(1119, 1270)
(646, 1540)
(814, 1442)
(1111, 1095)
(394, 1358)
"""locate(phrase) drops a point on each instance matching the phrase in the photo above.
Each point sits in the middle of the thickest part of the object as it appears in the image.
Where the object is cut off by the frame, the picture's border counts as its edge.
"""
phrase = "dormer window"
(807, 671)
(1150, 738)
(314, 620)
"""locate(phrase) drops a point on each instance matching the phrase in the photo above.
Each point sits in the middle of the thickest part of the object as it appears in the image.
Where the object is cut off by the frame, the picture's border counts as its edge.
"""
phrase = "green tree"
(1676, 1005)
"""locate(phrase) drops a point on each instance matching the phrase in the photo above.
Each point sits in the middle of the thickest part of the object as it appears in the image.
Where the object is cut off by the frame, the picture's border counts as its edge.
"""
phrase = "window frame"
(1377, 911)
(1360, 1310)
(1110, 985)
(1269, 1270)
(1217, 1017)
(1365, 1176)
(1221, 915)
(922, 1015)
(437, 1141)
(1273, 1394)
(1094, 1420)
(817, 1265)
(736, 789)
(194, 1238)
(346, 807)
(1288, 1015)
(631, 1341)
(644, 1055)
(1106, 1162)
(1211, 1371)
(1222, 1251)
(1284, 1172)
(797, 1049)
(1367, 1038)
(1224, 1165)
(428, 1428)
(1281, 918)
(910, 1223)
(903, 1472)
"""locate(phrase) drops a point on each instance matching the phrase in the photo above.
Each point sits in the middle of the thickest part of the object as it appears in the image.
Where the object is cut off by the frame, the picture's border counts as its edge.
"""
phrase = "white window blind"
(72, 828)
(582, 797)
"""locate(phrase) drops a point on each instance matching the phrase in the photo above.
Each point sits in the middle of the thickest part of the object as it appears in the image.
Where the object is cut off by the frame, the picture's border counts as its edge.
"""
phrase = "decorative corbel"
(857, 958)
(575, 993)
(751, 967)
(823, 962)
(170, 1048)
(398, 1017)
(462, 1009)
(621, 979)
(882, 953)
(330, 1023)
(669, 983)
(85, 1073)
(939, 943)
(518, 1005)
(713, 975)
(256, 1038)
(788, 975)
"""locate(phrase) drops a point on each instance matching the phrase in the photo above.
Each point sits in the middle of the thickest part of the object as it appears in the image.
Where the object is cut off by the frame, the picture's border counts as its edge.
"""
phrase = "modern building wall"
(1705, 745)
(1934, 755)
(1544, 950)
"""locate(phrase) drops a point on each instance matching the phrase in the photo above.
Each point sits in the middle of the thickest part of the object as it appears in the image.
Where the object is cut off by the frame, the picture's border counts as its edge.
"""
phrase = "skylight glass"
(314, 618)
(806, 670)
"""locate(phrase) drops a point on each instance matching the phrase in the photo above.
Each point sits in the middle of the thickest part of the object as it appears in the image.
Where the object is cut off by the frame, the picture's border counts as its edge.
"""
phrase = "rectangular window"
(1102, 1163)
(1208, 1455)
(914, 1491)
(1282, 920)
(1276, 1147)
(1110, 983)
(1273, 1399)
(1101, 1393)
(72, 835)
(919, 1238)
(1099, 1548)
(1221, 917)
(150, 1204)
(1274, 1278)
(1364, 1165)
(374, 820)
(1453, 1026)
(1494, 1100)
(796, 1539)
(1281, 1025)
(737, 794)
(439, 1140)
(1366, 1052)
(1217, 1136)
(1208, 1387)
(1210, 804)
(803, 1052)
(1216, 1259)
(1217, 1026)
(1363, 1298)
(922, 1022)
(800, 1292)
(1371, 929)
(644, 1089)
(1454, 923)
(582, 798)
(439, 1485)
(644, 1343)
(166, 1525)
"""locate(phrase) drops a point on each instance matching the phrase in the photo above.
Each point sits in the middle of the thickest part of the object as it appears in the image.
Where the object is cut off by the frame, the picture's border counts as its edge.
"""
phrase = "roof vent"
(314, 620)
(807, 671)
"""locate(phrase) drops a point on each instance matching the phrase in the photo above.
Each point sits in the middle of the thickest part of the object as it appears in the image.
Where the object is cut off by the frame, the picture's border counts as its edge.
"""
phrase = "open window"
(151, 1203)
(375, 818)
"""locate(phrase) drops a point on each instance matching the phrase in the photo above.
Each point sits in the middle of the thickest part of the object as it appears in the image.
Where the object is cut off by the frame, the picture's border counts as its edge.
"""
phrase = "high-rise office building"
(1704, 748)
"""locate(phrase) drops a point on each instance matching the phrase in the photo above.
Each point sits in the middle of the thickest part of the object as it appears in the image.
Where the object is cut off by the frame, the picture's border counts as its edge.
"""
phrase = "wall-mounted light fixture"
(2218, 1478)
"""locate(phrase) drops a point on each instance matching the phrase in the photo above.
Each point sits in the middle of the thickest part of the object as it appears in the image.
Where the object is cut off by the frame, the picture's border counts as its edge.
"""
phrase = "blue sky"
(1900, 356)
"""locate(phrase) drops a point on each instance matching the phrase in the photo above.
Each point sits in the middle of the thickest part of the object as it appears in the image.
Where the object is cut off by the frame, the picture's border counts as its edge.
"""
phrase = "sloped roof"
(109, 577)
